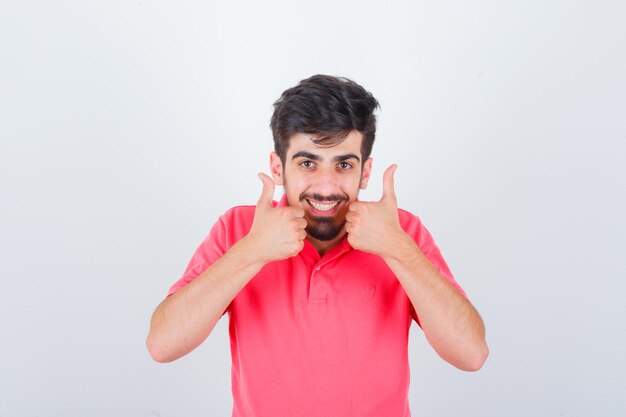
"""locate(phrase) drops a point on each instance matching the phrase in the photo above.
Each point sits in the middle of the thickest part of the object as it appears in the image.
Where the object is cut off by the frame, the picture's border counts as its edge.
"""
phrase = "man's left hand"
(374, 227)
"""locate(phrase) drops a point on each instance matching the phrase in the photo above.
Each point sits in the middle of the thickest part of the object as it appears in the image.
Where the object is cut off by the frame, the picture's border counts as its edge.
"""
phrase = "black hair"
(327, 107)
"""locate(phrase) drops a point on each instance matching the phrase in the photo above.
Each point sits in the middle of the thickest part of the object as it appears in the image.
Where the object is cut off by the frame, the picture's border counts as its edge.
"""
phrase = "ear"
(276, 167)
(365, 175)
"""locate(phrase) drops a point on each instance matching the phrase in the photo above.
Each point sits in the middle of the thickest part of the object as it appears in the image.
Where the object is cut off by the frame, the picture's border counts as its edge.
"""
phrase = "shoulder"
(243, 214)
(407, 215)
(239, 214)
(414, 227)
(236, 222)
(409, 221)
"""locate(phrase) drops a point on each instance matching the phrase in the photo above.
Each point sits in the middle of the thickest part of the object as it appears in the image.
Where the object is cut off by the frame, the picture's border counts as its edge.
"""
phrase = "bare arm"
(450, 322)
(185, 319)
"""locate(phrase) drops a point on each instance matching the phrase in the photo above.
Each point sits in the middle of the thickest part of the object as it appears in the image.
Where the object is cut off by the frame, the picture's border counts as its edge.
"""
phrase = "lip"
(323, 213)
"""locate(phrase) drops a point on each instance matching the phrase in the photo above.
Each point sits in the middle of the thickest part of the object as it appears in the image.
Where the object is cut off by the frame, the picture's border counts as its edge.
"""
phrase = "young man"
(320, 288)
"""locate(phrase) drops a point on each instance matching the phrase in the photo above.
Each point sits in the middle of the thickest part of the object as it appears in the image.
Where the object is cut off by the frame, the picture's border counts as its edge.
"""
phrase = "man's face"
(322, 181)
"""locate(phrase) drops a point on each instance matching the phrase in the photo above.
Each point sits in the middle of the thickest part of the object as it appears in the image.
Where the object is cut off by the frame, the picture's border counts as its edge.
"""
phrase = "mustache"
(319, 197)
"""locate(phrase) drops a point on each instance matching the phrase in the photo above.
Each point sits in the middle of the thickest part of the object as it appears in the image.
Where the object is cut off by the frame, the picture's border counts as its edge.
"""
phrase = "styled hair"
(328, 108)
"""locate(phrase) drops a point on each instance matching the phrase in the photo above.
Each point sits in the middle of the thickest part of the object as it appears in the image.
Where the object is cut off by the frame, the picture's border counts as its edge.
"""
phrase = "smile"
(323, 206)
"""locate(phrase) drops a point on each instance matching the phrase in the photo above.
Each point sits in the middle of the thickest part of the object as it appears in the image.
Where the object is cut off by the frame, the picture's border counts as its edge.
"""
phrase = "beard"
(324, 228)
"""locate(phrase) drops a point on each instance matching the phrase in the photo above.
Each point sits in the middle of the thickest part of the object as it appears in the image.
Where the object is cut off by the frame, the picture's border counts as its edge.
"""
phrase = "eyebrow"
(312, 156)
(345, 157)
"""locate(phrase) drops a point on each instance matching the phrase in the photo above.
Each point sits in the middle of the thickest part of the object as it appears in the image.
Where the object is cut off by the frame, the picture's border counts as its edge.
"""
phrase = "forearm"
(451, 324)
(185, 319)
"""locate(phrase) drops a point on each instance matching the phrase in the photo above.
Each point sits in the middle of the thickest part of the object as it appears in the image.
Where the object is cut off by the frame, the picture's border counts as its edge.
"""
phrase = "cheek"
(294, 187)
(351, 186)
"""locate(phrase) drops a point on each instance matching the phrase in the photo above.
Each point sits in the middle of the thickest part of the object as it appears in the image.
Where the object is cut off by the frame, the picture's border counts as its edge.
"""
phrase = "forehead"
(302, 142)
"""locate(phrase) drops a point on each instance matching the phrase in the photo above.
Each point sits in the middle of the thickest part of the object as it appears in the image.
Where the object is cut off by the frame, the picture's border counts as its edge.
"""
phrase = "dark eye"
(345, 165)
(307, 164)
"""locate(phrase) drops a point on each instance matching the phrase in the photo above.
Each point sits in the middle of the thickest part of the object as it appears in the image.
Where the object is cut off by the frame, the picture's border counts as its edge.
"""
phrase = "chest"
(351, 297)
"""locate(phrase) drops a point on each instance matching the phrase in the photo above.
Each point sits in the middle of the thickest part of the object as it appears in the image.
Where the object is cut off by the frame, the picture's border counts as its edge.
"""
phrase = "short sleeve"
(210, 250)
(229, 228)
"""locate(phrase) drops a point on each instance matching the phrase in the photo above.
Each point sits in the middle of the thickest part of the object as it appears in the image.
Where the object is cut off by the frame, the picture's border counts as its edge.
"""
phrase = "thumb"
(268, 191)
(389, 192)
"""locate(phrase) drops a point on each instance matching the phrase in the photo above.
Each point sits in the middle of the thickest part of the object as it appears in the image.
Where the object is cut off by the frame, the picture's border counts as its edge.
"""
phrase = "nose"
(326, 182)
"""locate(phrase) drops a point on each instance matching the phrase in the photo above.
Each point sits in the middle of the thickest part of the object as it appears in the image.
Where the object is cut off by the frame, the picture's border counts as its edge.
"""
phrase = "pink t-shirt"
(315, 336)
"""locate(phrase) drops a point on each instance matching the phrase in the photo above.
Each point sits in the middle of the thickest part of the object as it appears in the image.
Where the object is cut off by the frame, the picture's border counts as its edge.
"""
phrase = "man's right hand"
(277, 232)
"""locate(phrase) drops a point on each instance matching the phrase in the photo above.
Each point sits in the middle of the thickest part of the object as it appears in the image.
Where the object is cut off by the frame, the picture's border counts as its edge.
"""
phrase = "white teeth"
(323, 207)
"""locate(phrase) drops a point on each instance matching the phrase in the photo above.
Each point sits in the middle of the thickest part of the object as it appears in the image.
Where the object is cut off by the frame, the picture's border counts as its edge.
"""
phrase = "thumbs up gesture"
(374, 227)
(277, 232)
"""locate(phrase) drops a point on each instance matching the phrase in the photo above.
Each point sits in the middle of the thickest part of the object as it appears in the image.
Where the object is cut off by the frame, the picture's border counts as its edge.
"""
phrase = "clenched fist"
(277, 232)
(374, 227)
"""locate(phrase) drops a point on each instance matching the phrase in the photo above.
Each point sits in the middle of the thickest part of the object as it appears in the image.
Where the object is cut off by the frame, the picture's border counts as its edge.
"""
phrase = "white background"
(127, 127)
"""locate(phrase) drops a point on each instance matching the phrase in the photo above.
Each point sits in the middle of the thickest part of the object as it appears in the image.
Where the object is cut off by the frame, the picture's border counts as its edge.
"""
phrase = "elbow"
(476, 360)
(156, 339)
(156, 353)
